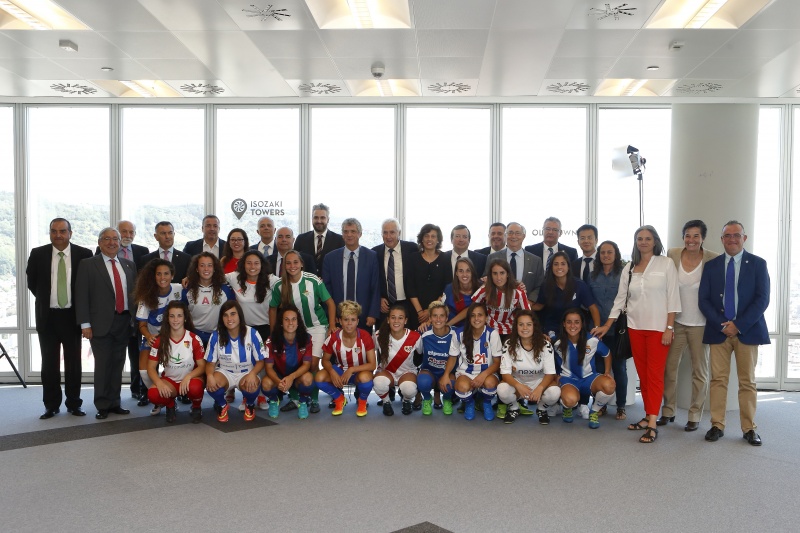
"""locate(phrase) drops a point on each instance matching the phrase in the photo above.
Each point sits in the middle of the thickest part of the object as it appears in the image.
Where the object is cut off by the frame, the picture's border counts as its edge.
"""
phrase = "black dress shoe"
(752, 438)
(76, 411)
(50, 413)
(119, 411)
(102, 414)
(714, 434)
(691, 426)
(664, 420)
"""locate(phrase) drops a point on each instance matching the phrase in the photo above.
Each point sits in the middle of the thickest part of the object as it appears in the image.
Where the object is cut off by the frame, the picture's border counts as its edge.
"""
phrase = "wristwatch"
(670, 328)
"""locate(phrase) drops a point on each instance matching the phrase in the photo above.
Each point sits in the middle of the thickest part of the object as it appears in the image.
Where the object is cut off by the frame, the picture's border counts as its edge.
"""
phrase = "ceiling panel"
(314, 68)
(35, 68)
(668, 67)
(727, 67)
(13, 85)
(780, 14)
(758, 43)
(90, 44)
(594, 43)
(452, 43)
(580, 67)
(509, 68)
(112, 15)
(596, 14)
(282, 15)
(170, 69)
(532, 14)
(124, 69)
(11, 48)
(452, 14)
(379, 43)
(360, 67)
(656, 43)
(187, 15)
(291, 44)
(450, 67)
(774, 78)
(151, 44)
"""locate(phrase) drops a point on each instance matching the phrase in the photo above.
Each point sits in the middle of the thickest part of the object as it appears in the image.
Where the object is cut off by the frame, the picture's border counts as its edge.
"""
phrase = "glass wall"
(793, 366)
(8, 266)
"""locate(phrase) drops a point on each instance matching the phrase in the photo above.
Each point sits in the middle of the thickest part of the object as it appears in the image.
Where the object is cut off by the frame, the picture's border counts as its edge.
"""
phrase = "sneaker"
(469, 410)
(243, 405)
(544, 418)
(314, 407)
(388, 410)
(462, 407)
(488, 412)
(380, 403)
(262, 402)
(361, 410)
(273, 409)
(184, 400)
(594, 421)
(502, 409)
(554, 410)
(566, 415)
(289, 406)
(196, 414)
(302, 411)
(427, 407)
(332, 404)
(439, 405)
(249, 413)
(447, 407)
(583, 410)
(156, 410)
(171, 416)
(418, 402)
(338, 405)
(524, 411)
(222, 412)
(230, 396)
(407, 407)
(511, 415)
(392, 394)
(143, 401)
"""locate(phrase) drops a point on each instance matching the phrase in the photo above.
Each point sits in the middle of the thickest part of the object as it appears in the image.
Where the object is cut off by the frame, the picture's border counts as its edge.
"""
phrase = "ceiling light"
(67, 45)
(652, 67)
(361, 13)
(632, 87)
(384, 88)
(706, 12)
(106, 69)
(22, 15)
(358, 14)
(138, 87)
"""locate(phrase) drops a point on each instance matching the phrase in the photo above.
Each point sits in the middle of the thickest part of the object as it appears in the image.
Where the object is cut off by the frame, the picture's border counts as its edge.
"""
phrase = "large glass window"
(448, 171)
(650, 131)
(163, 171)
(8, 267)
(353, 166)
(543, 165)
(793, 368)
(258, 167)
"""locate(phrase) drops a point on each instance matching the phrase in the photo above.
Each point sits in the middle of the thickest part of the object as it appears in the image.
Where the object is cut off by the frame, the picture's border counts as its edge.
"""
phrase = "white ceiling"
(477, 48)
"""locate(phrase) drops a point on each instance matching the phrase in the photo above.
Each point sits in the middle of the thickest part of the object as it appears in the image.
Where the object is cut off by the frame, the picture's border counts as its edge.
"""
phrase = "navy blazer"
(305, 243)
(407, 250)
(195, 247)
(180, 260)
(753, 293)
(367, 287)
(539, 248)
(478, 259)
(308, 262)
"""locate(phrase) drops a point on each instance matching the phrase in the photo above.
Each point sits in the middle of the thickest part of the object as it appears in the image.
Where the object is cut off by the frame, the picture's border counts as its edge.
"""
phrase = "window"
(794, 276)
(163, 171)
(8, 239)
(448, 171)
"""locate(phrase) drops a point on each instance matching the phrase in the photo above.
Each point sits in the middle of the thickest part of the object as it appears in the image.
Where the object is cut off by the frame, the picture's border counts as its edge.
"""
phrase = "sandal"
(621, 413)
(603, 410)
(641, 424)
(650, 435)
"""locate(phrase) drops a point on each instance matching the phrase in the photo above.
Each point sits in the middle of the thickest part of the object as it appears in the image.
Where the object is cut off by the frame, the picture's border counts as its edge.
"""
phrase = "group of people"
(498, 330)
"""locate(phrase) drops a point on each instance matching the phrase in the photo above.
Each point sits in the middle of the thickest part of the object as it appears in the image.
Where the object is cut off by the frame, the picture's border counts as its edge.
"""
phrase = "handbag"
(622, 350)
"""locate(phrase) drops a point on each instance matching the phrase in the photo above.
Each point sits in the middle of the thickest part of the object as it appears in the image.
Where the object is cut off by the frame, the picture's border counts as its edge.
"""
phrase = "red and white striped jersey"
(501, 314)
(346, 357)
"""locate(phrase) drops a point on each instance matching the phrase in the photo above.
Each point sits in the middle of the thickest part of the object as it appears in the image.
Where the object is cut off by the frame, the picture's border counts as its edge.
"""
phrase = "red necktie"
(119, 306)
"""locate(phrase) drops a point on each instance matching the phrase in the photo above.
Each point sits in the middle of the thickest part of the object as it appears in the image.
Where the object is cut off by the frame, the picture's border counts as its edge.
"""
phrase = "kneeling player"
(437, 345)
(395, 347)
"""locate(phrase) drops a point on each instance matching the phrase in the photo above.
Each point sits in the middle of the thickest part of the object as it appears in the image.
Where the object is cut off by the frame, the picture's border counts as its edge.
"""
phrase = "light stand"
(637, 164)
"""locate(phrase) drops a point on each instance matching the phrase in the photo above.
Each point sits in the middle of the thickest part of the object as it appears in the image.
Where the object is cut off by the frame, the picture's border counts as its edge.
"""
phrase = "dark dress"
(428, 280)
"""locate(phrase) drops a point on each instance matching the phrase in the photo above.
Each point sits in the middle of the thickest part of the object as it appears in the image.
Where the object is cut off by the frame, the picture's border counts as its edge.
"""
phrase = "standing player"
(181, 354)
(395, 347)
(502, 296)
(458, 295)
(437, 345)
(205, 293)
(354, 363)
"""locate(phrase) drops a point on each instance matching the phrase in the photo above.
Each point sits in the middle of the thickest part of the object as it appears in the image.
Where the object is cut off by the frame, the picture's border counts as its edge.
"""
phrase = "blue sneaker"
(488, 412)
(469, 410)
(566, 415)
(594, 421)
(302, 411)
(274, 409)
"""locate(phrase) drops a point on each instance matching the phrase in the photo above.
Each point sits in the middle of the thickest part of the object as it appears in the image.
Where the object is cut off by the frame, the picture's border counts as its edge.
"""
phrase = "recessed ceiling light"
(106, 69)
(67, 45)
(652, 67)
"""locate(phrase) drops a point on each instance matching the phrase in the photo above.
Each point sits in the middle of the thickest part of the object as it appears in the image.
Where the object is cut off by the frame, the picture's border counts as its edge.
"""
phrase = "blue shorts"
(339, 370)
(437, 372)
(584, 385)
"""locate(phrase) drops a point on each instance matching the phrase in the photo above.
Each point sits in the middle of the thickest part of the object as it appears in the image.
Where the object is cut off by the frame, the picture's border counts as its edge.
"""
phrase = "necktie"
(166, 255)
(390, 282)
(267, 250)
(586, 269)
(125, 252)
(549, 257)
(730, 291)
(280, 268)
(318, 253)
(514, 264)
(119, 306)
(61, 281)
(350, 293)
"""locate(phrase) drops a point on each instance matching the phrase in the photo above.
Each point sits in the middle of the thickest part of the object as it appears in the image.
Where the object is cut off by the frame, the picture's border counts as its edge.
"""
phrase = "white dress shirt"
(654, 294)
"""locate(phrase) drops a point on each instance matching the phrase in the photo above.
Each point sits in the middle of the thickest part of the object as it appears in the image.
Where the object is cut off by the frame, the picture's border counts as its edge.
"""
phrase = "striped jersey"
(401, 353)
(484, 350)
(501, 314)
(287, 361)
(155, 317)
(437, 350)
(308, 295)
(204, 310)
(571, 367)
(255, 314)
(345, 357)
(525, 368)
(183, 356)
(239, 356)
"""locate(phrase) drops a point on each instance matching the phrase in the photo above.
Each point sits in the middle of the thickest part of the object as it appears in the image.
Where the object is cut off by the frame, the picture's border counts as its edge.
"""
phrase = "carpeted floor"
(382, 474)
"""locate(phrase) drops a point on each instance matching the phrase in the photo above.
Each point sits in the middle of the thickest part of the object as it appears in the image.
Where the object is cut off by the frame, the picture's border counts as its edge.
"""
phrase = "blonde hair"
(435, 304)
(348, 307)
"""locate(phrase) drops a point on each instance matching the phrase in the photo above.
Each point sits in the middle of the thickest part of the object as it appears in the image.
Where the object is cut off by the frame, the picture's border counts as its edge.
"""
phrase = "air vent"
(202, 89)
(266, 13)
(449, 88)
(698, 88)
(73, 88)
(568, 87)
(608, 11)
(319, 89)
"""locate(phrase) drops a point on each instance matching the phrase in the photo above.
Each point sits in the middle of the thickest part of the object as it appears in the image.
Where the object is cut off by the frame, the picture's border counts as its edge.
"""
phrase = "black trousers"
(110, 352)
(61, 332)
(137, 387)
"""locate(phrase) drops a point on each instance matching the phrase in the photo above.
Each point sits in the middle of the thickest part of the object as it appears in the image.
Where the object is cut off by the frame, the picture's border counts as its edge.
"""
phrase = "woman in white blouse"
(649, 284)
(689, 326)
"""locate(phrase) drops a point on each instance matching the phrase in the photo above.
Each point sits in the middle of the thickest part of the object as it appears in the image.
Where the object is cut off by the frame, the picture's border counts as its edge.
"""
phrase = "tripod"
(10, 362)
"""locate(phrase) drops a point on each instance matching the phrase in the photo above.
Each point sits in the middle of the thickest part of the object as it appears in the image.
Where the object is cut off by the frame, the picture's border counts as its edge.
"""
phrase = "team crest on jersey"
(486, 344)
(408, 348)
(160, 318)
(306, 292)
(186, 344)
(588, 350)
(205, 301)
(356, 350)
(176, 295)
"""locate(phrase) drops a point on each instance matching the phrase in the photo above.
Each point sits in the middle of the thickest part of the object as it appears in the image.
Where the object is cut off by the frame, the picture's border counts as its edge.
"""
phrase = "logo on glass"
(239, 206)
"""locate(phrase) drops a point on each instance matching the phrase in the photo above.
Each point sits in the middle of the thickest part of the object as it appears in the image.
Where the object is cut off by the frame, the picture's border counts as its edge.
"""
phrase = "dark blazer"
(367, 286)
(138, 252)
(407, 251)
(533, 276)
(180, 261)
(305, 243)
(94, 293)
(485, 251)
(576, 266)
(195, 247)
(753, 295)
(38, 273)
(308, 262)
(539, 248)
(478, 259)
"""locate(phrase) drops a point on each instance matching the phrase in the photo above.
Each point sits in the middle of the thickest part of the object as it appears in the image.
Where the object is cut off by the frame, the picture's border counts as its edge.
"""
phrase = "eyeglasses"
(733, 236)
(109, 239)
(236, 240)
(514, 233)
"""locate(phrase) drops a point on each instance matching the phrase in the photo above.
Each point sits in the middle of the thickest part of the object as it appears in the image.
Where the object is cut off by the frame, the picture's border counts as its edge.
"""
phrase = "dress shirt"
(346, 259)
(398, 269)
(54, 277)
(582, 259)
(737, 263)
(213, 249)
(654, 294)
(454, 257)
(520, 262)
(122, 249)
(170, 254)
(266, 249)
(316, 236)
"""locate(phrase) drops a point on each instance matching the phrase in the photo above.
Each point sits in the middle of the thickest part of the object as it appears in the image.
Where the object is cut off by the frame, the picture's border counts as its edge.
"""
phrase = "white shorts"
(397, 375)
(318, 334)
(233, 379)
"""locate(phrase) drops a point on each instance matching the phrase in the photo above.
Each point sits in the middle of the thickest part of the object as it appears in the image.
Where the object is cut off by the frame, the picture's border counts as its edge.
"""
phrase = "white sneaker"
(262, 402)
(554, 410)
(243, 405)
(584, 411)
(156, 410)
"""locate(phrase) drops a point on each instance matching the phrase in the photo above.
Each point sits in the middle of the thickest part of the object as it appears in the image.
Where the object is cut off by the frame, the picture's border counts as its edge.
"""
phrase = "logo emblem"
(239, 207)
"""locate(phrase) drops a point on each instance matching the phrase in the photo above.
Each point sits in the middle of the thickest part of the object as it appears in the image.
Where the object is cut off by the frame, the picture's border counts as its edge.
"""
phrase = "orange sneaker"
(249, 413)
(362, 408)
(338, 405)
(222, 413)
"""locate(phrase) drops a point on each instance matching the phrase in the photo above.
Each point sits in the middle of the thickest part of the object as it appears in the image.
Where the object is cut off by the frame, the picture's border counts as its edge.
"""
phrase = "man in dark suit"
(733, 296)
(165, 236)
(460, 237)
(284, 240)
(551, 231)
(52, 270)
(128, 250)
(320, 240)
(104, 308)
(266, 230)
(351, 273)
(394, 256)
(587, 240)
(497, 239)
(528, 270)
(210, 241)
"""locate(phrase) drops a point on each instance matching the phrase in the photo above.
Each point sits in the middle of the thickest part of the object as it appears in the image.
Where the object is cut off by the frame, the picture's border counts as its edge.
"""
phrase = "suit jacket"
(367, 286)
(539, 248)
(576, 266)
(180, 261)
(533, 275)
(407, 250)
(38, 273)
(308, 262)
(753, 295)
(94, 293)
(485, 251)
(305, 243)
(478, 259)
(138, 252)
(195, 247)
